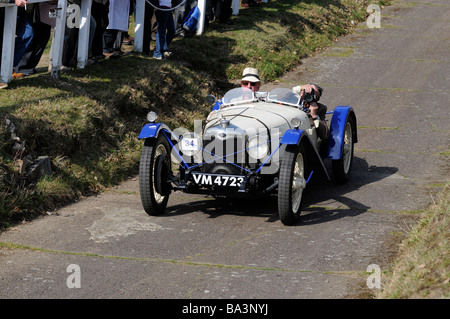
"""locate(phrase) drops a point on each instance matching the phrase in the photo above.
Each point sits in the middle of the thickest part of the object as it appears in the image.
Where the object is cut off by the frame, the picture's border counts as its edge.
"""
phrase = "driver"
(316, 111)
(250, 80)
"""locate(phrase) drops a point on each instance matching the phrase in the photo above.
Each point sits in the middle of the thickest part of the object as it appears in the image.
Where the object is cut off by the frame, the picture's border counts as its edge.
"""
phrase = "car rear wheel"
(154, 170)
(341, 168)
(291, 184)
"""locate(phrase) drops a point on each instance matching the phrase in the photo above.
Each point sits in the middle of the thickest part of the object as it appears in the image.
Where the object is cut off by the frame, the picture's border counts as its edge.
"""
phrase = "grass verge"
(422, 269)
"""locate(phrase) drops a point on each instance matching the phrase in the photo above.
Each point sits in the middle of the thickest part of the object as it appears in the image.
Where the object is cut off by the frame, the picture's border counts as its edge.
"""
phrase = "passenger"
(316, 111)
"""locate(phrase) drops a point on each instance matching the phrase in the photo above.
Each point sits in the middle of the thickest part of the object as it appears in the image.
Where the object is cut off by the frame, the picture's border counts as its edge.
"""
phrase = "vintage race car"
(250, 145)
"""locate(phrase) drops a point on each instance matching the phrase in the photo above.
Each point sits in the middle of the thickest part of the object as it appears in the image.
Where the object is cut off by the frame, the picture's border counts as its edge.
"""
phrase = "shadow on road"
(323, 200)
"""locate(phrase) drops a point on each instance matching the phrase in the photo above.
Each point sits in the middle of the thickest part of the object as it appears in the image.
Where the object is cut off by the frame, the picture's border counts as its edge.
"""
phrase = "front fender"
(291, 137)
(337, 129)
(151, 130)
(295, 137)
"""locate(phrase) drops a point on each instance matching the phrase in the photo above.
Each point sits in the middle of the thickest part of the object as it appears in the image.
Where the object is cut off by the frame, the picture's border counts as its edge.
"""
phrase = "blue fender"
(150, 130)
(295, 137)
(292, 137)
(337, 128)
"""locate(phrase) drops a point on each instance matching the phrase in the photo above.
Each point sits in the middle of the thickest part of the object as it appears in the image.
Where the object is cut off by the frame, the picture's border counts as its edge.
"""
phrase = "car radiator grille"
(224, 155)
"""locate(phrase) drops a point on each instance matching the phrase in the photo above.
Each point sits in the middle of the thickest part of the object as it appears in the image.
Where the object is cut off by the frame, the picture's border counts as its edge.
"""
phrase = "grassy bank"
(88, 121)
(422, 269)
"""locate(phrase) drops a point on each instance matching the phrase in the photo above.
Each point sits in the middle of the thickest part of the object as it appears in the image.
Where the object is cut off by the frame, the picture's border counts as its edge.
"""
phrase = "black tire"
(291, 184)
(342, 167)
(154, 169)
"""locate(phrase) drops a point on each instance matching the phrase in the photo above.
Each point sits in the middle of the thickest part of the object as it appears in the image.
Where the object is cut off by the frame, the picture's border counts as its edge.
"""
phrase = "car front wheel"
(291, 184)
(154, 170)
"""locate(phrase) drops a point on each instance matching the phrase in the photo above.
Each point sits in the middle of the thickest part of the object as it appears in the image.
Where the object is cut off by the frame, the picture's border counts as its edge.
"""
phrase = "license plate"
(217, 179)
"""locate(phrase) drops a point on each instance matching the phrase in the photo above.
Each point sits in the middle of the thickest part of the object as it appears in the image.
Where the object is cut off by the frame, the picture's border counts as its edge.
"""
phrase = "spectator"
(127, 38)
(166, 30)
(24, 33)
(71, 37)
(149, 25)
(118, 17)
(180, 14)
(42, 31)
(222, 10)
(209, 12)
(248, 3)
(70, 47)
(99, 12)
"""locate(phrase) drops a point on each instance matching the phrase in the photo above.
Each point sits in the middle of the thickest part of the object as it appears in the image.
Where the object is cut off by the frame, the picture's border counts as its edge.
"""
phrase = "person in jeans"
(166, 30)
(24, 33)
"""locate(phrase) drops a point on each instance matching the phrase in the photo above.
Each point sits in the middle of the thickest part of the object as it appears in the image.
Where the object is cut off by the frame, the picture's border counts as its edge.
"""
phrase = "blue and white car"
(250, 145)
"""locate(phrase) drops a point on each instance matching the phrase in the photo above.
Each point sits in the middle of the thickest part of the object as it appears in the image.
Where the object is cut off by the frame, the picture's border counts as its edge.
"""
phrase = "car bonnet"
(255, 116)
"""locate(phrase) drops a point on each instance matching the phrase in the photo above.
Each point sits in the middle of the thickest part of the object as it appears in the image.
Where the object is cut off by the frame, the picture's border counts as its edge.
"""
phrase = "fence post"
(139, 26)
(58, 39)
(8, 43)
(201, 23)
(83, 38)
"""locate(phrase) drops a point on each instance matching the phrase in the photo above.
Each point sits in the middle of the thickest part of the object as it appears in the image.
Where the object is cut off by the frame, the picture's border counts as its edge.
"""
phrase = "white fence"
(83, 40)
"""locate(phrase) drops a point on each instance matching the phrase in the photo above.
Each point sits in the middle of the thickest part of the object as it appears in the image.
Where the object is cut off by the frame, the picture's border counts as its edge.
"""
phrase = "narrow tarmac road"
(396, 77)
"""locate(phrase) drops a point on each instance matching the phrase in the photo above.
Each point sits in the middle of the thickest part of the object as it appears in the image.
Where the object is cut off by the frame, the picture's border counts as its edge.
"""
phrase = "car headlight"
(152, 117)
(190, 144)
(258, 146)
(296, 122)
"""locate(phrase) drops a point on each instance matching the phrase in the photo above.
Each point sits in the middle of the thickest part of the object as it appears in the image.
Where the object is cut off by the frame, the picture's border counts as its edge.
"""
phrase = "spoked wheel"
(154, 170)
(342, 167)
(291, 184)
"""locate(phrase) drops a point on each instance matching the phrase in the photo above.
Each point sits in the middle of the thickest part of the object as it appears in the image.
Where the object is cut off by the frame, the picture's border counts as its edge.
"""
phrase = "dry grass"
(422, 269)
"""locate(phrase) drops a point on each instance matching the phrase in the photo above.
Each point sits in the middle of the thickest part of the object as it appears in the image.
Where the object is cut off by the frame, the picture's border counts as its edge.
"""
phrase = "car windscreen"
(238, 96)
(284, 96)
